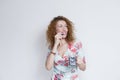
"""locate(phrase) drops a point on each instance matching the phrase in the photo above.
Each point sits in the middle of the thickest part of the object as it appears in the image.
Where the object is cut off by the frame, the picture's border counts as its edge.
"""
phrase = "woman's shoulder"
(78, 43)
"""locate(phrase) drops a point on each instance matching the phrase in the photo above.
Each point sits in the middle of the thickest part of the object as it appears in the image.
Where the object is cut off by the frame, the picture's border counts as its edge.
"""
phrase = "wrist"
(81, 62)
(55, 45)
(52, 53)
(54, 50)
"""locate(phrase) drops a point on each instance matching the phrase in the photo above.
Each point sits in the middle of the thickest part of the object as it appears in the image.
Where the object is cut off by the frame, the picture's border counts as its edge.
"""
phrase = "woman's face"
(61, 27)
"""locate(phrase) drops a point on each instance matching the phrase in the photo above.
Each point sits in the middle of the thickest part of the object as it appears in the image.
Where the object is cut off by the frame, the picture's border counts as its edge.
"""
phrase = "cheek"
(67, 29)
(58, 30)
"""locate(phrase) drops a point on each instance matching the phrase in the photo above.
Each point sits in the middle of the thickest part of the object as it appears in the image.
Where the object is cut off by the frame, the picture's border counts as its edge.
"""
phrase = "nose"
(65, 28)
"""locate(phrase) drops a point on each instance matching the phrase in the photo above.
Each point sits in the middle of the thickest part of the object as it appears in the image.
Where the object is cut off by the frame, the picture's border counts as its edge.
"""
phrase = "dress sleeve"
(48, 51)
(80, 51)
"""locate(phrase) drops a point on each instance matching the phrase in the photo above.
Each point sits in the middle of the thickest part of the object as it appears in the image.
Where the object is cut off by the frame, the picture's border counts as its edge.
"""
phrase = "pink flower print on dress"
(70, 45)
(55, 78)
(55, 64)
(66, 61)
(58, 77)
(60, 62)
(74, 77)
(79, 45)
(65, 57)
(72, 48)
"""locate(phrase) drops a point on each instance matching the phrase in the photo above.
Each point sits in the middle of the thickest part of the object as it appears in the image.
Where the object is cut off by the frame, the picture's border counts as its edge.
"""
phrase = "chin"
(64, 37)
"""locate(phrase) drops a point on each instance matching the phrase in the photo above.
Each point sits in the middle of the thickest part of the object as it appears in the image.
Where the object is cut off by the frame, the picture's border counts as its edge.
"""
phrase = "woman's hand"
(58, 37)
(80, 63)
(79, 60)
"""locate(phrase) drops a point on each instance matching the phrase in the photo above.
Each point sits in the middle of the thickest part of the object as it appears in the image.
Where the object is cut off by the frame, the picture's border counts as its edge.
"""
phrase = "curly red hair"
(51, 31)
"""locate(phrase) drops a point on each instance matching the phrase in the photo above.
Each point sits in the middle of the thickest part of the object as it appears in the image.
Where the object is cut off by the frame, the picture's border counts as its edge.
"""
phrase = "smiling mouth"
(62, 34)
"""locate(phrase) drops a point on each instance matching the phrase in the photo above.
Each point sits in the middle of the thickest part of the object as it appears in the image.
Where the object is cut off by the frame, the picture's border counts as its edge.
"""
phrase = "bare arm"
(81, 58)
(50, 59)
(82, 66)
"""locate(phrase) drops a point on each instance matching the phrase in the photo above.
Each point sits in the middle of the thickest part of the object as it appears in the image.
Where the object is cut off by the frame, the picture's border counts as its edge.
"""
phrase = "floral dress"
(65, 68)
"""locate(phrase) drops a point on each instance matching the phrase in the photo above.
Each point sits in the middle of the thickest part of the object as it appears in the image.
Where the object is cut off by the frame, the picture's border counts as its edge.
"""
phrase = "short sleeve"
(48, 51)
(80, 51)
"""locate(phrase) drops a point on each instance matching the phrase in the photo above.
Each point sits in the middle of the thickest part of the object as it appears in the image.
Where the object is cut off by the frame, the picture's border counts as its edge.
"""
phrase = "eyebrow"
(61, 25)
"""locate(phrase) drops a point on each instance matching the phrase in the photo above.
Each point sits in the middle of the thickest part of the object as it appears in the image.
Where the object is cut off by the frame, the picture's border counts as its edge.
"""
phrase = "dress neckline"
(68, 49)
(64, 53)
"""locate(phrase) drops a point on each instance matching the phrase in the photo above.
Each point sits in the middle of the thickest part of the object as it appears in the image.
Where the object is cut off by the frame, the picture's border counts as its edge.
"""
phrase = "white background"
(23, 25)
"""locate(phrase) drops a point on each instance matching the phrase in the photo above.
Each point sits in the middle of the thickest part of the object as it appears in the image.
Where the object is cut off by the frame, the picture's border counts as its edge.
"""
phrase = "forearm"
(50, 58)
(50, 62)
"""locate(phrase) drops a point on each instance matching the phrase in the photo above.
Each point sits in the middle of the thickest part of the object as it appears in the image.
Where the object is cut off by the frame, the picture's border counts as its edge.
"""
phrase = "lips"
(63, 33)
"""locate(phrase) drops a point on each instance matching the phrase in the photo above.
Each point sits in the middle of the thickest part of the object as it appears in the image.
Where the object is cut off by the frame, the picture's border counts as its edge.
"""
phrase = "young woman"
(65, 55)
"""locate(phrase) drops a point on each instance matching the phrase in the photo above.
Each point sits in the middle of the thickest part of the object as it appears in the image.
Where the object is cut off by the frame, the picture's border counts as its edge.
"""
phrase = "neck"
(62, 42)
